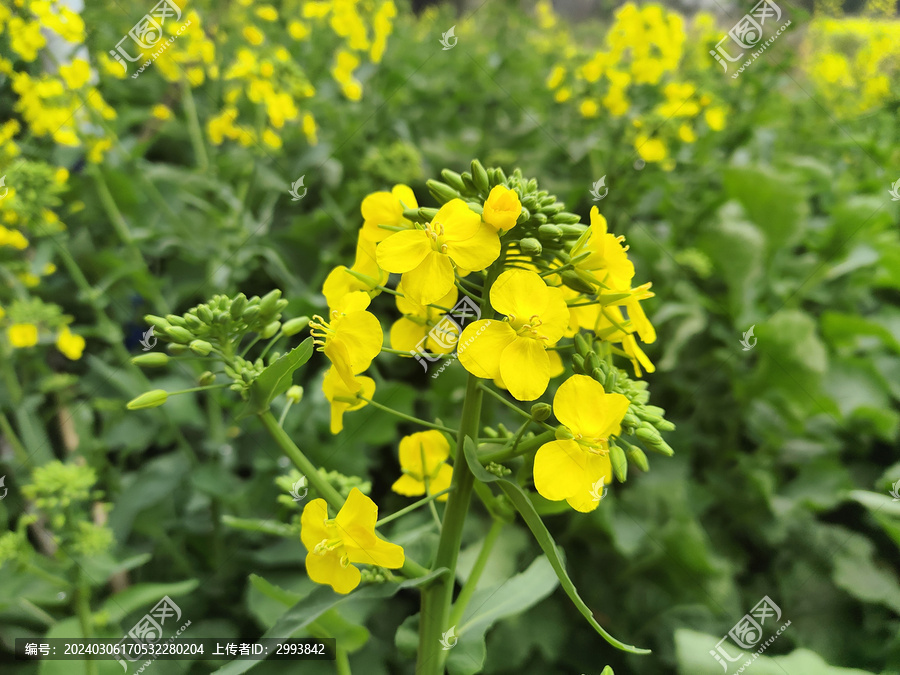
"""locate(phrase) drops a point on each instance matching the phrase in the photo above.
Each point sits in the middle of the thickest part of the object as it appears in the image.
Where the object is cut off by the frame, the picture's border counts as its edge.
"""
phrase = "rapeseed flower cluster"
(638, 75)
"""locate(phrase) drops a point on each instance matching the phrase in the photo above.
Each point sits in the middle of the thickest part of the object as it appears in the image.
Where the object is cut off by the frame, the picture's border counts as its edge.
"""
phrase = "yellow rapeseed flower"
(423, 456)
(22, 335)
(334, 387)
(70, 344)
(502, 209)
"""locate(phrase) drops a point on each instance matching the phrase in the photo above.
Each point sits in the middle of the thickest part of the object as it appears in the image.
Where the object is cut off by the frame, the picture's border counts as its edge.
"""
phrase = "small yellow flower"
(562, 95)
(515, 349)
(22, 335)
(61, 176)
(386, 208)
(298, 30)
(572, 469)
(271, 139)
(607, 262)
(334, 387)
(351, 339)
(417, 322)
(334, 543)
(715, 118)
(70, 344)
(426, 258)
(267, 13)
(340, 282)
(423, 456)
(161, 112)
(75, 74)
(686, 133)
(253, 35)
(589, 108)
(502, 209)
(650, 149)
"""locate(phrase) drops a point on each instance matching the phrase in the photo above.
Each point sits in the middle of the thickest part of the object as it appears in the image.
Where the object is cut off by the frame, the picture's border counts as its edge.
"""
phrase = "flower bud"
(591, 361)
(175, 320)
(578, 364)
(249, 315)
(206, 314)
(270, 330)
(539, 217)
(571, 230)
(294, 326)
(619, 463)
(176, 349)
(549, 231)
(480, 177)
(524, 217)
(295, 393)
(648, 434)
(566, 218)
(552, 208)
(238, 305)
(442, 192)
(152, 360)
(600, 376)
(200, 347)
(541, 411)
(637, 457)
(267, 306)
(583, 344)
(498, 176)
(157, 322)
(193, 322)
(179, 334)
(490, 432)
(453, 179)
(206, 379)
(530, 245)
(427, 214)
(150, 399)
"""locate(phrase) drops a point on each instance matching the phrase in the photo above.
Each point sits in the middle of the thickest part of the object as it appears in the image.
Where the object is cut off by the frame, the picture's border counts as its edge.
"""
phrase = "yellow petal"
(476, 252)
(334, 385)
(408, 486)
(405, 194)
(431, 445)
(356, 526)
(563, 470)
(458, 221)
(341, 366)
(582, 405)
(380, 208)
(403, 251)
(525, 368)
(312, 523)
(502, 208)
(361, 334)
(327, 570)
(481, 344)
(431, 280)
(406, 334)
(442, 481)
(520, 294)
(554, 317)
(557, 367)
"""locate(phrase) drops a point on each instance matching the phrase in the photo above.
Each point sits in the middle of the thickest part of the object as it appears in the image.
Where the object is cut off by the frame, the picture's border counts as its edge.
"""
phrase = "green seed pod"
(153, 360)
(157, 322)
(566, 218)
(480, 177)
(201, 347)
(453, 179)
(442, 192)
(238, 305)
(295, 394)
(294, 326)
(541, 411)
(150, 399)
(549, 231)
(530, 245)
(619, 463)
(267, 306)
(179, 334)
(270, 330)
(206, 379)
(490, 432)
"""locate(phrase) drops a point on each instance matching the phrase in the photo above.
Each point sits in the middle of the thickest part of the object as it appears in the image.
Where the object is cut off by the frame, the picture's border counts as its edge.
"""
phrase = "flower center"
(321, 329)
(596, 445)
(328, 545)
(529, 328)
(435, 232)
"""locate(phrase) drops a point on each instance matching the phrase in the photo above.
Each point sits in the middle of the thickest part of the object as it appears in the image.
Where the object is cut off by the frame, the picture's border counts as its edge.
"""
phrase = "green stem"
(411, 507)
(408, 418)
(468, 588)
(499, 397)
(194, 130)
(83, 607)
(10, 434)
(524, 448)
(342, 662)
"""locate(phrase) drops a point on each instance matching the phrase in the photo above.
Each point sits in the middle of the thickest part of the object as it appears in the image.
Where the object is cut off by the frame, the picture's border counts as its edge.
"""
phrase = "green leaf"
(526, 509)
(489, 605)
(259, 525)
(143, 596)
(307, 611)
(270, 590)
(276, 379)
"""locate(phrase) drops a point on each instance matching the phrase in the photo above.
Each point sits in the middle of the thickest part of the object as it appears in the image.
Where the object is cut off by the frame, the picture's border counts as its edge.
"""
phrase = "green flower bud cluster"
(643, 422)
(244, 373)
(343, 484)
(375, 575)
(497, 469)
(502, 432)
(544, 224)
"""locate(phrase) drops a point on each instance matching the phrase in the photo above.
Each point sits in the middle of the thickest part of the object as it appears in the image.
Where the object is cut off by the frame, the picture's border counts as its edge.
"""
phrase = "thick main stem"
(436, 598)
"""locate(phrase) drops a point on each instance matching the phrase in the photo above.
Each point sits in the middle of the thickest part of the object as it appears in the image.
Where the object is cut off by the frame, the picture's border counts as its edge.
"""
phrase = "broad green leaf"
(526, 509)
(858, 573)
(276, 379)
(308, 610)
